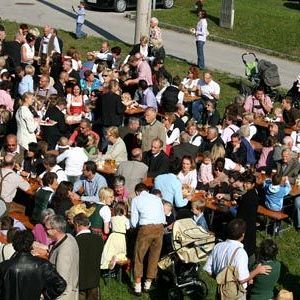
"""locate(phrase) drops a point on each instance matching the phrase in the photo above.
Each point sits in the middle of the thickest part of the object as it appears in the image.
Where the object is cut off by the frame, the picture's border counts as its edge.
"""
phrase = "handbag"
(229, 287)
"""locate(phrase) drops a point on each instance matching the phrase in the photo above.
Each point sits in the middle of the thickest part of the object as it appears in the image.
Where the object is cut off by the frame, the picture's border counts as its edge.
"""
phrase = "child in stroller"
(179, 268)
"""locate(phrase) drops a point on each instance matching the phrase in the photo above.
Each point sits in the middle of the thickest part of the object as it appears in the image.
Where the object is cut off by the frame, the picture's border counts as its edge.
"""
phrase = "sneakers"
(147, 286)
(137, 290)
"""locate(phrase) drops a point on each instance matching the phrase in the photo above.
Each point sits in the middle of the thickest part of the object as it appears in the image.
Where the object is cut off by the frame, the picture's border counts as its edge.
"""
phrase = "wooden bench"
(275, 216)
(22, 218)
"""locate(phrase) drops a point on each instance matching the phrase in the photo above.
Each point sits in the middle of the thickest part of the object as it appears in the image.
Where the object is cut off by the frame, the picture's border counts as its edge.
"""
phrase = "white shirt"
(190, 84)
(105, 214)
(253, 130)
(221, 255)
(201, 30)
(174, 137)
(207, 89)
(61, 175)
(227, 133)
(190, 178)
(75, 158)
(229, 164)
(196, 140)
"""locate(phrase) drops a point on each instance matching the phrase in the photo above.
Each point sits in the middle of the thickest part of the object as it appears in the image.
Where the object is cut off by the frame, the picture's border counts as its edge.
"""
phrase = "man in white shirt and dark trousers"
(147, 214)
(80, 19)
(233, 250)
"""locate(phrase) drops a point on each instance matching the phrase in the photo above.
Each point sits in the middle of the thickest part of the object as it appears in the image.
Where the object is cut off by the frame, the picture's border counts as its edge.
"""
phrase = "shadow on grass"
(292, 5)
(289, 281)
(89, 24)
(214, 19)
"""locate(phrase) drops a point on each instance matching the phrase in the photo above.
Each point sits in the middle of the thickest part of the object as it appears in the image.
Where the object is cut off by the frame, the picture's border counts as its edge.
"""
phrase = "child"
(276, 189)
(205, 173)
(80, 20)
(115, 247)
(197, 209)
(278, 112)
(88, 112)
(62, 145)
(170, 218)
(91, 147)
(26, 84)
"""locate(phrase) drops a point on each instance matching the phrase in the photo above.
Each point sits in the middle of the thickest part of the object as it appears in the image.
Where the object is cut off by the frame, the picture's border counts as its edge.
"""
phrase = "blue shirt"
(80, 15)
(147, 209)
(26, 85)
(91, 187)
(148, 99)
(171, 189)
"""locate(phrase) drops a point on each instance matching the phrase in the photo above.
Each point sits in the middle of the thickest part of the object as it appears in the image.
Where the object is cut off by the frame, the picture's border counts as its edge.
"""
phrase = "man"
(153, 129)
(208, 89)
(143, 71)
(61, 83)
(90, 251)
(10, 181)
(169, 96)
(258, 103)
(12, 147)
(13, 49)
(134, 170)
(53, 133)
(211, 139)
(159, 71)
(235, 150)
(51, 165)
(129, 134)
(148, 97)
(85, 128)
(156, 159)
(103, 55)
(48, 45)
(171, 189)
(230, 128)
(287, 143)
(288, 166)
(27, 277)
(290, 113)
(90, 183)
(44, 89)
(178, 151)
(210, 115)
(64, 255)
(224, 251)
(73, 75)
(147, 213)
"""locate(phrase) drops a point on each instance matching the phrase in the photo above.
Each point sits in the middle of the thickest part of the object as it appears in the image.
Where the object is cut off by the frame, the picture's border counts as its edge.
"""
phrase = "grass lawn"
(271, 24)
(289, 242)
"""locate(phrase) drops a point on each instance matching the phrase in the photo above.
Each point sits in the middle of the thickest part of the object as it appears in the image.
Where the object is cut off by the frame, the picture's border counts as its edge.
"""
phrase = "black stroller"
(179, 269)
(261, 73)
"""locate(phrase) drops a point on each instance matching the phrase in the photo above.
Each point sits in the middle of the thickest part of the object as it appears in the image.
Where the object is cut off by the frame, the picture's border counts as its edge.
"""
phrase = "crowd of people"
(63, 118)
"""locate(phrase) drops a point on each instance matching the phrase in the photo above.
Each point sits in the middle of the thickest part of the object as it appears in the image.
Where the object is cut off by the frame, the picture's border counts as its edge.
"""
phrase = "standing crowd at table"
(102, 149)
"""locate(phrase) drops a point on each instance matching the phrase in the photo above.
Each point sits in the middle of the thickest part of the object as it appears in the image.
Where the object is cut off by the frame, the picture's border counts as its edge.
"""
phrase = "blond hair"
(199, 205)
(29, 70)
(105, 193)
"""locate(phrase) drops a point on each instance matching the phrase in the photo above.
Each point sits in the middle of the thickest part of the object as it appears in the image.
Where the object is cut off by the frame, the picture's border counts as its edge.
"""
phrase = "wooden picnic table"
(34, 185)
(134, 111)
(263, 123)
(189, 98)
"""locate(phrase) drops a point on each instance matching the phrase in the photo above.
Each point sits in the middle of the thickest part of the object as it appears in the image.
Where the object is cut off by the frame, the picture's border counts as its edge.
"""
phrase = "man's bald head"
(136, 154)
(8, 161)
(11, 143)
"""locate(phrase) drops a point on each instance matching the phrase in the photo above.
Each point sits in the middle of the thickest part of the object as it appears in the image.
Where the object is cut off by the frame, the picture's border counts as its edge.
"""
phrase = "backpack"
(229, 287)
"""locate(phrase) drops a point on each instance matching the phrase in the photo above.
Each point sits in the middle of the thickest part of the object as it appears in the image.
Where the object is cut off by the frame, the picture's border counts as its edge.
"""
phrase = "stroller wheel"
(175, 294)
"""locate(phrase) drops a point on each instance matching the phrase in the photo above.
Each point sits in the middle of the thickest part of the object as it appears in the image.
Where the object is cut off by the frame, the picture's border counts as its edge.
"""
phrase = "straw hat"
(78, 209)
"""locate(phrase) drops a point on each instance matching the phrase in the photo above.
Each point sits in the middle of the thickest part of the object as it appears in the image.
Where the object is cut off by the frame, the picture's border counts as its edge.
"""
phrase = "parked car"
(122, 5)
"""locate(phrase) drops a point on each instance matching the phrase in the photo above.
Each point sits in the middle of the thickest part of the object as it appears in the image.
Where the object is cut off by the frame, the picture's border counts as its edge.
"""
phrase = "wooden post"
(227, 14)
(142, 22)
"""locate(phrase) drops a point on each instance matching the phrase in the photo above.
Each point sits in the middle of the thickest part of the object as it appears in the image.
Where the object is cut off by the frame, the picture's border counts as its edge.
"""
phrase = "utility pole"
(142, 22)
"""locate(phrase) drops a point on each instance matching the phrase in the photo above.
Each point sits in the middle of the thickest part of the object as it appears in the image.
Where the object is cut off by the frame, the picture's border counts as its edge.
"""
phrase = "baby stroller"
(261, 73)
(179, 269)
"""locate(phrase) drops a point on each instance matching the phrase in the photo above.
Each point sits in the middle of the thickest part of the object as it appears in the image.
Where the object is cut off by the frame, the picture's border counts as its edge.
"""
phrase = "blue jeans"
(200, 54)
(197, 110)
(79, 32)
(297, 212)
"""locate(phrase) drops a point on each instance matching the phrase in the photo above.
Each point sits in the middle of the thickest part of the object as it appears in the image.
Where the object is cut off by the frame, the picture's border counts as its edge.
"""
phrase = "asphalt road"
(114, 26)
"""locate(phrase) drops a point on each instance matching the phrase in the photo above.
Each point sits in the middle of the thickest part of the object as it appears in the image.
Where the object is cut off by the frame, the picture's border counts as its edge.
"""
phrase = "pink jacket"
(206, 173)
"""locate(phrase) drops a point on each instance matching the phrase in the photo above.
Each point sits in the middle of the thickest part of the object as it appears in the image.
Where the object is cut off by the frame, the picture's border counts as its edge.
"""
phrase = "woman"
(62, 199)
(27, 50)
(211, 116)
(121, 192)
(76, 101)
(33, 161)
(116, 149)
(172, 132)
(143, 48)
(26, 124)
(263, 285)
(220, 181)
(89, 82)
(201, 34)
(295, 135)
(188, 173)
(189, 84)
